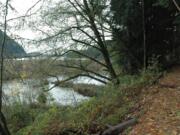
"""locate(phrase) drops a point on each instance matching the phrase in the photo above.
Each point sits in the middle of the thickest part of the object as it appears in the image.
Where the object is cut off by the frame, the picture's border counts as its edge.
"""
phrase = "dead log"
(115, 130)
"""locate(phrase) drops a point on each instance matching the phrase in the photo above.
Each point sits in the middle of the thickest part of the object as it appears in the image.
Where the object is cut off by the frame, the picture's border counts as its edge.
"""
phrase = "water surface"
(29, 89)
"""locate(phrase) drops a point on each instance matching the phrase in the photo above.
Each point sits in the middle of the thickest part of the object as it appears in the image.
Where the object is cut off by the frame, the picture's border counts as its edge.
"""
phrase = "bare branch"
(32, 6)
(78, 9)
(85, 43)
(74, 77)
(176, 4)
(86, 70)
(19, 17)
(84, 55)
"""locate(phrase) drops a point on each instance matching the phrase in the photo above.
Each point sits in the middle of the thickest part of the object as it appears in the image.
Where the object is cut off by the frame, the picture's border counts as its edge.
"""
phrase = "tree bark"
(115, 130)
(102, 45)
(3, 125)
(176, 4)
(144, 35)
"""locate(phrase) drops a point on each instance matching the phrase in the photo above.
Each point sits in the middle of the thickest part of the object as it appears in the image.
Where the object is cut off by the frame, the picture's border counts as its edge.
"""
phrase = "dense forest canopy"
(161, 31)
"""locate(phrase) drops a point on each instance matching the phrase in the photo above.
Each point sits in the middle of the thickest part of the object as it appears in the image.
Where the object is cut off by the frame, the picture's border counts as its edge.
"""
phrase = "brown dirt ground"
(159, 109)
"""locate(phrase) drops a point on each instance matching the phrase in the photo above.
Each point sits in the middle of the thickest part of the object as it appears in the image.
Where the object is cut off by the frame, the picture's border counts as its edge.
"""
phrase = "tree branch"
(74, 77)
(78, 9)
(85, 43)
(84, 55)
(3, 119)
(176, 4)
(86, 70)
(81, 75)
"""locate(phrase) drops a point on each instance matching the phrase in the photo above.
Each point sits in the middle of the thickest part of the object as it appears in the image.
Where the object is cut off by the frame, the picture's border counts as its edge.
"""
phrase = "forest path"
(160, 107)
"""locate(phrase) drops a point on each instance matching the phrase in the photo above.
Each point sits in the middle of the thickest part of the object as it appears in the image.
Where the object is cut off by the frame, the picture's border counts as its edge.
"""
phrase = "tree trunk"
(3, 125)
(102, 45)
(115, 130)
(144, 35)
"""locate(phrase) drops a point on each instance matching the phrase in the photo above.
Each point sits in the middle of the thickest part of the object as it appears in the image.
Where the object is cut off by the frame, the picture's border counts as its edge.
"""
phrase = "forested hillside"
(12, 48)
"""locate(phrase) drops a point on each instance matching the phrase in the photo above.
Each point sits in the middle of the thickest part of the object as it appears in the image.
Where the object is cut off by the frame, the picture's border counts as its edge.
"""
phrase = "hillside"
(12, 48)
(159, 107)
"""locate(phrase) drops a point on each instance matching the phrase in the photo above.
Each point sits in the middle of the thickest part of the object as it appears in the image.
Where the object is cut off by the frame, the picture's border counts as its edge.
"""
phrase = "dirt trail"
(160, 107)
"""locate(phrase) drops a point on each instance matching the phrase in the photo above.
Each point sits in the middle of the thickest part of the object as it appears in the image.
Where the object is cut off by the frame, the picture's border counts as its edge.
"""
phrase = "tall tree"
(159, 17)
(3, 125)
(83, 25)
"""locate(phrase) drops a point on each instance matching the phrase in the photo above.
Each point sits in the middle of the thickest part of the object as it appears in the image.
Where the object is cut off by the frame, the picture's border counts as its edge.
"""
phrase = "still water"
(28, 91)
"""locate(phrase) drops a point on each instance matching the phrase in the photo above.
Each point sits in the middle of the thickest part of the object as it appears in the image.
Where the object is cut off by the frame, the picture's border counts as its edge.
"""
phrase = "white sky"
(21, 7)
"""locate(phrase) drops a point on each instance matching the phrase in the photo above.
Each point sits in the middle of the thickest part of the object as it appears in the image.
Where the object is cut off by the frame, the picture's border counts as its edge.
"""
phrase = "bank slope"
(160, 107)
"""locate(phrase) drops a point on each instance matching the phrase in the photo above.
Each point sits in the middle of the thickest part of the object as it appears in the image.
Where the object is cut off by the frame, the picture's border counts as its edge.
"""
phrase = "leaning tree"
(75, 27)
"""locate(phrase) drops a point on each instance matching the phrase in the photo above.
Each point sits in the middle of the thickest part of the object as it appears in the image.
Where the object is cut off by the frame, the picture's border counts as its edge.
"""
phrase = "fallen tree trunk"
(115, 130)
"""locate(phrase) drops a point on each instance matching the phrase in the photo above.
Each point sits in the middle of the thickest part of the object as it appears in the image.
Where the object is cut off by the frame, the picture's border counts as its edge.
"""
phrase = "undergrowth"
(109, 107)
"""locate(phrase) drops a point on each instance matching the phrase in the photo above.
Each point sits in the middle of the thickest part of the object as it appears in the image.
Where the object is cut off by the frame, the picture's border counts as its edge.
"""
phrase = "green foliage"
(110, 106)
(142, 78)
(40, 123)
(89, 117)
(178, 114)
(159, 29)
(164, 3)
(20, 115)
(42, 98)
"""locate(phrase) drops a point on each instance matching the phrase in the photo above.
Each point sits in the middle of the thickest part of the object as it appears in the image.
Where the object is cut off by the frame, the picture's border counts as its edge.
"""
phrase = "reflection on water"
(66, 96)
(28, 91)
(86, 80)
(17, 90)
(79, 80)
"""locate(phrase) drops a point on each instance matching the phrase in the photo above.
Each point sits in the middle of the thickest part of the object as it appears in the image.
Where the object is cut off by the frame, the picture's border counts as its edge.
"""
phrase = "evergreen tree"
(160, 31)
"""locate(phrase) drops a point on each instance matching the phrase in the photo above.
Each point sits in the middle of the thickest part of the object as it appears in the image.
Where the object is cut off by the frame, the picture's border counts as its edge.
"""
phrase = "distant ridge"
(12, 48)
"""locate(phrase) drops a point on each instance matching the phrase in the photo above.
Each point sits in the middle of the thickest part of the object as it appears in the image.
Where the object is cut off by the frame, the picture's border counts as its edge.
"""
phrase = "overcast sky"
(20, 7)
